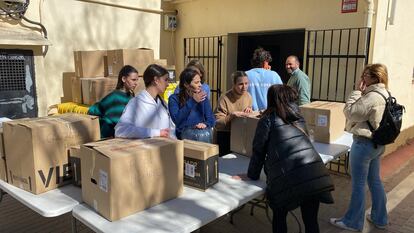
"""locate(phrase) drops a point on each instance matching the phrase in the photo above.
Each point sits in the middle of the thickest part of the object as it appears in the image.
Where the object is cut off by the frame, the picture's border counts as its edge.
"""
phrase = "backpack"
(390, 124)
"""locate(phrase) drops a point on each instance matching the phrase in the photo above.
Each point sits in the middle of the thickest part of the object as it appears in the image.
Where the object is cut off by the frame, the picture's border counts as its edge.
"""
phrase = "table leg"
(234, 212)
(74, 225)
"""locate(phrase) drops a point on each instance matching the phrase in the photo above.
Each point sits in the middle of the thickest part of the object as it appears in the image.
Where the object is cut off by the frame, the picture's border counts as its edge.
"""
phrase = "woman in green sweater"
(110, 108)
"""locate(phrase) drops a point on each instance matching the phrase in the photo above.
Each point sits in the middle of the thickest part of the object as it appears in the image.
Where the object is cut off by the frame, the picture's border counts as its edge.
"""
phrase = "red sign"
(349, 6)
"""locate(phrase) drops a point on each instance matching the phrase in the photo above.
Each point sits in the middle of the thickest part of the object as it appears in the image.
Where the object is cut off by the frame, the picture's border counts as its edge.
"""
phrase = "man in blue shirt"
(261, 78)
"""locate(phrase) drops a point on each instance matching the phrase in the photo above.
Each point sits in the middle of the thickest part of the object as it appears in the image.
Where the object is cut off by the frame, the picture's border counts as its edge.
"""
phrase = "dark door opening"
(280, 44)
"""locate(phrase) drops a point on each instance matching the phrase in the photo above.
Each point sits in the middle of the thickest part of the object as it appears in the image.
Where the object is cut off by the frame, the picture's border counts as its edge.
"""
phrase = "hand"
(248, 110)
(238, 114)
(165, 133)
(199, 96)
(241, 177)
(360, 85)
(201, 126)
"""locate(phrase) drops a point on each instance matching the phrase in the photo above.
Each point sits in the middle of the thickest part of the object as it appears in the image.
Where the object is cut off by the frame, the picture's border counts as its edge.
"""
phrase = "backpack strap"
(371, 128)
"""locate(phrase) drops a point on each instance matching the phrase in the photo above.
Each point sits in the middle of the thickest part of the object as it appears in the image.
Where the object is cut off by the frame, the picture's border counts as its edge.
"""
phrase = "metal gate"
(334, 60)
(208, 50)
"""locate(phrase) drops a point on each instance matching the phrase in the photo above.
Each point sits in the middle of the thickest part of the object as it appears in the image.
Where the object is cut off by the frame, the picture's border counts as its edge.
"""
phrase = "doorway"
(280, 44)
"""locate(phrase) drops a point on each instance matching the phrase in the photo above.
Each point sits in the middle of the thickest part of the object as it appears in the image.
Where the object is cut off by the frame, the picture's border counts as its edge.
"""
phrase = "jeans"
(309, 210)
(223, 140)
(201, 135)
(365, 166)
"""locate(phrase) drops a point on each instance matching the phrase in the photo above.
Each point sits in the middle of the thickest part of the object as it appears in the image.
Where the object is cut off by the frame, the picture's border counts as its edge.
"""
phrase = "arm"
(303, 90)
(179, 116)
(357, 108)
(130, 124)
(208, 114)
(223, 117)
(95, 110)
(259, 148)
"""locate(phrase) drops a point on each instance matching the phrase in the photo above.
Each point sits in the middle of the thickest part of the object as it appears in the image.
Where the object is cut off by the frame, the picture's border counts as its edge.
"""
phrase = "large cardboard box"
(200, 164)
(138, 58)
(89, 64)
(325, 119)
(121, 177)
(242, 133)
(94, 89)
(37, 149)
(75, 165)
(72, 91)
(3, 169)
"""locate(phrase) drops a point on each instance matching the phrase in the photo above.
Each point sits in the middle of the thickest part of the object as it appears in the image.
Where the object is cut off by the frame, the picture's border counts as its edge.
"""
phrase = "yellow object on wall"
(169, 91)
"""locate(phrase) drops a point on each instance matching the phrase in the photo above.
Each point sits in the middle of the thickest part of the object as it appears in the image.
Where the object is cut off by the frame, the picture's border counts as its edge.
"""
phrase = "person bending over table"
(110, 108)
(236, 102)
(146, 115)
(296, 175)
(190, 109)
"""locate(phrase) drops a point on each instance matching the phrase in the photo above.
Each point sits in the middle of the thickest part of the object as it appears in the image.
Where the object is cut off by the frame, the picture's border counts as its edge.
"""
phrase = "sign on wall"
(349, 6)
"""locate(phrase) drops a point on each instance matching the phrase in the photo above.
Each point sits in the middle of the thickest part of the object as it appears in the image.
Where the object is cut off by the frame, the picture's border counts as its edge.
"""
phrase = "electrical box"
(170, 22)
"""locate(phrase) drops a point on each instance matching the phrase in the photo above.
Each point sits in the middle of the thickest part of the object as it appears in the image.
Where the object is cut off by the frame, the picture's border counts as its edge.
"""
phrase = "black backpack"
(390, 124)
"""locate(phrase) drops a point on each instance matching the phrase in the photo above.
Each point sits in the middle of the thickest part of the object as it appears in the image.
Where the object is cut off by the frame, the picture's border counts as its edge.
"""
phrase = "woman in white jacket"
(366, 105)
(146, 115)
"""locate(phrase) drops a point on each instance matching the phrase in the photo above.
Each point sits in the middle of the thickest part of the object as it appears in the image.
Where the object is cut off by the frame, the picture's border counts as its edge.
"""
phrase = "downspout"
(370, 13)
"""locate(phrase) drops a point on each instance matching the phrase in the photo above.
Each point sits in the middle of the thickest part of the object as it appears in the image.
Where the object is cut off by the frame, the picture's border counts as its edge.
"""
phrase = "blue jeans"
(201, 135)
(365, 166)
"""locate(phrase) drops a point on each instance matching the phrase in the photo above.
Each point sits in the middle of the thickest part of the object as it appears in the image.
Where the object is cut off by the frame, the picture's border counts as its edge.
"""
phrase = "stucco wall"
(393, 46)
(75, 25)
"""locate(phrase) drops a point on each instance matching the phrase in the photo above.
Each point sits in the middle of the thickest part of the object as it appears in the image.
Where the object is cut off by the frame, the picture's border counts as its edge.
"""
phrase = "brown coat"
(228, 103)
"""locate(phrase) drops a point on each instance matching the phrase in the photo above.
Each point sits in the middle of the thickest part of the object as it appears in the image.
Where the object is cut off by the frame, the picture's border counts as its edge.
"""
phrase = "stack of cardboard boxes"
(325, 119)
(96, 72)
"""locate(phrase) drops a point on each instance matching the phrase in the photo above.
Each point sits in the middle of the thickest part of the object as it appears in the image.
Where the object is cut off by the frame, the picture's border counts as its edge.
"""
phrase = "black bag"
(390, 124)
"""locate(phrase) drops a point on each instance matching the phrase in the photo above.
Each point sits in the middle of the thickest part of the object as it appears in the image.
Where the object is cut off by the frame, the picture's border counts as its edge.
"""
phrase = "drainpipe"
(370, 13)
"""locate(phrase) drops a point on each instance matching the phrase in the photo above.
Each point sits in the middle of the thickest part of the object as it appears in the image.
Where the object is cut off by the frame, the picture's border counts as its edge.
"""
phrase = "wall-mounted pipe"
(370, 13)
(154, 11)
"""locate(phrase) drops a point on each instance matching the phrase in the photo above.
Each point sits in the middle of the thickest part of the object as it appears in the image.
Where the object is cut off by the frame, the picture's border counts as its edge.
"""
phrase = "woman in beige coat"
(366, 105)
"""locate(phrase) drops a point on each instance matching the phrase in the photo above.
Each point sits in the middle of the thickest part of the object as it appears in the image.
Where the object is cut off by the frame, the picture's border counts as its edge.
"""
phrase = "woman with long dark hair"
(110, 108)
(146, 115)
(191, 110)
(296, 175)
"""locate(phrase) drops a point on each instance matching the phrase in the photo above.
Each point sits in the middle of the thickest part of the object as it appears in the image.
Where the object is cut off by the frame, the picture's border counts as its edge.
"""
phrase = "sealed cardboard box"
(200, 164)
(71, 88)
(325, 119)
(138, 58)
(94, 89)
(3, 169)
(75, 165)
(121, 176)
(242, 133)
(37, 149)
(89, 64)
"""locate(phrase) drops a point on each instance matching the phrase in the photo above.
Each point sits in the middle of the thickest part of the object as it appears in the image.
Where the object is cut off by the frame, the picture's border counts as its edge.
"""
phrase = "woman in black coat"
(296, 175)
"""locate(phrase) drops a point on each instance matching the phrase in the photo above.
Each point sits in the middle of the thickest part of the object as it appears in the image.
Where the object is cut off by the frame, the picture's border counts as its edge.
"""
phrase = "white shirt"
(144, 117)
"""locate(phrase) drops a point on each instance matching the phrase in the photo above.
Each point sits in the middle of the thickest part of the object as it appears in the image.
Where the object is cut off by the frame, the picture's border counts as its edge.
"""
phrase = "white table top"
(331, 151)
(188, 212)
(49, 204)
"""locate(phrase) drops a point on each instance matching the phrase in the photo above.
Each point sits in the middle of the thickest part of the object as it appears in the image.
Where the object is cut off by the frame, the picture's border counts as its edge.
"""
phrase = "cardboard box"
(325, 119)
(200, 164)
(89, 64)
(39, 161)
(75, 165)
(72, 91)
(138, 58)
(242, 134)
(3, 169)
(121, 177)
(161, 62)
(94, 89)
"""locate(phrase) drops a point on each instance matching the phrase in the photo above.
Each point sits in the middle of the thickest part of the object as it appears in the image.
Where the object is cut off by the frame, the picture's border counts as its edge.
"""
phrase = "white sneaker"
(338, 223)
(381, 227)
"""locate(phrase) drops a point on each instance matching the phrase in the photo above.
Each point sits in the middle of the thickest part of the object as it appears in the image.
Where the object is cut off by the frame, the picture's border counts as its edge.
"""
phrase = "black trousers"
(223, 140)
(309, 210)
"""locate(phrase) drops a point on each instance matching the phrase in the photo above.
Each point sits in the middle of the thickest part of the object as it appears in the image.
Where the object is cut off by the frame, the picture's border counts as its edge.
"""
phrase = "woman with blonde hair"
(365, 106)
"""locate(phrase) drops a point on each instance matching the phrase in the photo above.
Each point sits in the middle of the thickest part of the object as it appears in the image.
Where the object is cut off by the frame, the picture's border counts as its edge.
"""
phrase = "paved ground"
(398, 179)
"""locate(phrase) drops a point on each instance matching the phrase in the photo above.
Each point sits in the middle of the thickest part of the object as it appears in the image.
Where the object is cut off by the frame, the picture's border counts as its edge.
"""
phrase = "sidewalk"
(15, 217)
